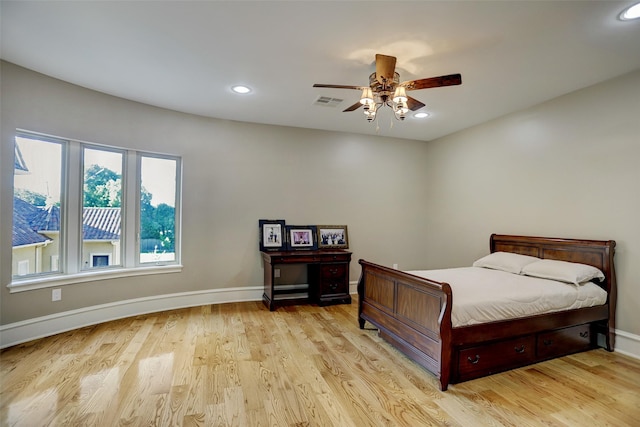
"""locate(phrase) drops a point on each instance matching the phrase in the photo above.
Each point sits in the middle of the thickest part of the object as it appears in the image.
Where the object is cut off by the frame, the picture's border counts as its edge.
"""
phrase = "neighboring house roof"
(101, 223)
(23, 232)
(30, 221)
(48, 219)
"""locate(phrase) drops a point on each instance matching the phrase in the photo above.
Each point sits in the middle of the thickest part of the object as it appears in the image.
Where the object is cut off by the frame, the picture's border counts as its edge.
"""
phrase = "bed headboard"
(598, 253)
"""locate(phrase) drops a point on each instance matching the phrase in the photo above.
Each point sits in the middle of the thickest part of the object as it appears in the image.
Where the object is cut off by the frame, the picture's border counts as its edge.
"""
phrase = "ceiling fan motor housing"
(388, 86)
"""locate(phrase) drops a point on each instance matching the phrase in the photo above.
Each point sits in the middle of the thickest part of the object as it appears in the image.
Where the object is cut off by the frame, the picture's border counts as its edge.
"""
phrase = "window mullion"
(72, 208)
(131, 199)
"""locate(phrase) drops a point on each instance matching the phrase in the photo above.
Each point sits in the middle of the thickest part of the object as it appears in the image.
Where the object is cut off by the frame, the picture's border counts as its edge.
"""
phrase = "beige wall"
(565, 168)
(234, 174)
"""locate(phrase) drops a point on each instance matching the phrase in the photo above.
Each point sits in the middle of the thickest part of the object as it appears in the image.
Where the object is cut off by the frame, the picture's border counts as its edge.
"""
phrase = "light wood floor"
(241, 365)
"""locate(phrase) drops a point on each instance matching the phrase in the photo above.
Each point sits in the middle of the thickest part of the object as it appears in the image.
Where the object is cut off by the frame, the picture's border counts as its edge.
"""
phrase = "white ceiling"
(185, 55)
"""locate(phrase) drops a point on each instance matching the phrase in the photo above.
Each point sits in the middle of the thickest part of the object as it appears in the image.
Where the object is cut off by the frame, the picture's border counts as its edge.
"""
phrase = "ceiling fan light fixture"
(632, 12)
(400, 95)
(370, 108)
(367, 96)
(386, 90)
(402, 108)
(370, 111)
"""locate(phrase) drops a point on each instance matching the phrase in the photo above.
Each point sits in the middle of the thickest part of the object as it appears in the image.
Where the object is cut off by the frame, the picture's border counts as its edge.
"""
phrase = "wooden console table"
(327, 274)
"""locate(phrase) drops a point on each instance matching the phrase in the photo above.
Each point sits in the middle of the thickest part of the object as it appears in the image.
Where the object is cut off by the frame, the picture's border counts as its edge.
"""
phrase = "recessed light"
(240, 89)
(632, 12)
(421, 115)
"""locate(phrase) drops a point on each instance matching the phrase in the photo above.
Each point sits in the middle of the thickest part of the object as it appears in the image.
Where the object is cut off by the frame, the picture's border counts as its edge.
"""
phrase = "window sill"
(21, 285)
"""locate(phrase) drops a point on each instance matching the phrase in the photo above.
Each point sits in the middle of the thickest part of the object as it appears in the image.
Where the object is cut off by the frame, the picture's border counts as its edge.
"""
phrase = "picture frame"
(332, 237)
(301, 237)
(272, 234)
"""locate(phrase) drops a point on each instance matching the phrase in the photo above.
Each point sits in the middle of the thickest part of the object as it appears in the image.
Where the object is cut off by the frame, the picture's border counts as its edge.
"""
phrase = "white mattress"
(481, 295)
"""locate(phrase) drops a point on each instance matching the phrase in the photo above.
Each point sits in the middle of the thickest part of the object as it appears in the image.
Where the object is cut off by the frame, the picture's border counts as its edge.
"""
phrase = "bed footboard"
(411, 312)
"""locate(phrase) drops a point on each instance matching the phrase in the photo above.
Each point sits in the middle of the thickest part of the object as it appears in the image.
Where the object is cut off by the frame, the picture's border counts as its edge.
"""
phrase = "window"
(101, 205)
(83, 209)
(100, 260)
(36, 205)
(157, 209)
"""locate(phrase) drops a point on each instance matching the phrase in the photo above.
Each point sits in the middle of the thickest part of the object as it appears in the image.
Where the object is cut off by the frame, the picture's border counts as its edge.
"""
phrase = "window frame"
(96, 147)
(71, 202)
(177, 204)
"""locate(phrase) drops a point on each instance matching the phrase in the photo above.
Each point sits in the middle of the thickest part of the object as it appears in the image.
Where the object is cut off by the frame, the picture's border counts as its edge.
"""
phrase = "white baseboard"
(39, 327)
(627, 344)
(353, 288)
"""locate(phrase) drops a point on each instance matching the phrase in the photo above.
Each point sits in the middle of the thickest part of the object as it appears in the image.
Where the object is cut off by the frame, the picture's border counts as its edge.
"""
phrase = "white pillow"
(505, 261)
(563, 271)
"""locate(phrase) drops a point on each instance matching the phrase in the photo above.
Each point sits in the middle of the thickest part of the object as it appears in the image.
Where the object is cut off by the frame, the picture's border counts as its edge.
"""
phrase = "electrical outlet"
(276, 272)
(56, 294)
(395, 266)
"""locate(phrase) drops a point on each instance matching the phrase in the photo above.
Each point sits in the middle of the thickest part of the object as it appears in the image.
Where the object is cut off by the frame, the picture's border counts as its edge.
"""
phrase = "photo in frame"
(272, 234)
(332, 237)
(301, 237)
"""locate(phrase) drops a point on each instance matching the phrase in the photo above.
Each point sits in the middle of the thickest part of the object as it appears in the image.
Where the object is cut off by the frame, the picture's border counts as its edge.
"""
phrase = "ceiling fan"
(385, 89)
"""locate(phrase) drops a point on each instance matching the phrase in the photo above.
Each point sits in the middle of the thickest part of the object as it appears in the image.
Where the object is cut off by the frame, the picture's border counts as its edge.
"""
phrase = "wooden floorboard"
(242, 365)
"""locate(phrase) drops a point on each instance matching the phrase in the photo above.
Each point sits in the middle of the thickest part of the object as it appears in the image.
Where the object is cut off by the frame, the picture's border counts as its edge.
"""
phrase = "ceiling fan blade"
(353, 107)
(339, 86)
(449, 80)
(413, 104)
(385, 67)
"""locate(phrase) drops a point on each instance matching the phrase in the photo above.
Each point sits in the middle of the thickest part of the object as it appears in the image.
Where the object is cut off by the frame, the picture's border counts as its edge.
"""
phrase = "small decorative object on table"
(272, 237)
(332, 237)
(301, 237)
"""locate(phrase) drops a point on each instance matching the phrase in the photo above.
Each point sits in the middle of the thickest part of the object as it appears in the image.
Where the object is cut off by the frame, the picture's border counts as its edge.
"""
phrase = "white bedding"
(481, 295)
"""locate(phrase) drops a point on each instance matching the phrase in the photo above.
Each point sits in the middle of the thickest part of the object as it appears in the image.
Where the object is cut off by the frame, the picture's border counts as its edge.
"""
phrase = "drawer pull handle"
(547, 342)
(333, 271)
(519, 350)
(584, 334)
(474, 361)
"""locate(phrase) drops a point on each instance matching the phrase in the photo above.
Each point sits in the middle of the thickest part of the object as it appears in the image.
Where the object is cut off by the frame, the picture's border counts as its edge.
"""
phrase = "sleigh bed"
(414, 313)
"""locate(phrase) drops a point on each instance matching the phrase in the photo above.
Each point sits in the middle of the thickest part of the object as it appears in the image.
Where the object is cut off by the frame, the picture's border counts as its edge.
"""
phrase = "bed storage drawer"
(495, 357)
(564, 341)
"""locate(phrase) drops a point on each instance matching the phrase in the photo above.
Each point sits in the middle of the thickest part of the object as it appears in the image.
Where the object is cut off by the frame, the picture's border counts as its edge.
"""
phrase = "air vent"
(327, 101)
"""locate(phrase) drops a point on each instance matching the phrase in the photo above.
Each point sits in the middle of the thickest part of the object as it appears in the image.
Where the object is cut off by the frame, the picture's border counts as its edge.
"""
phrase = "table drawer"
(564, 341)
(337, 258)
(333, 287)
(302, 259)
(495, 357)
(333, 271)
